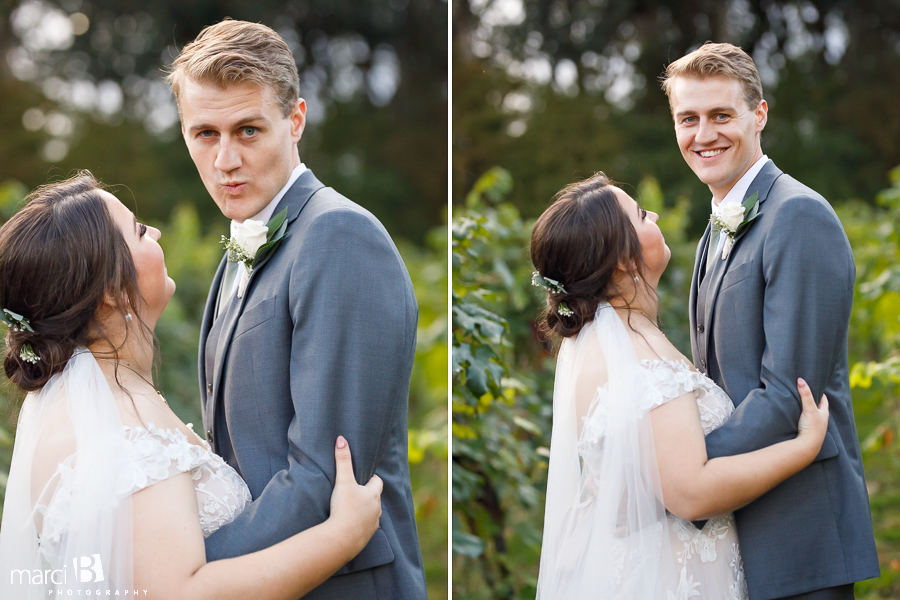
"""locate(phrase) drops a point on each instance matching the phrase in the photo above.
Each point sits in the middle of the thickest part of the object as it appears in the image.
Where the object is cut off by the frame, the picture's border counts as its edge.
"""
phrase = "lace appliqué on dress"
(153, 455)
(158, 454)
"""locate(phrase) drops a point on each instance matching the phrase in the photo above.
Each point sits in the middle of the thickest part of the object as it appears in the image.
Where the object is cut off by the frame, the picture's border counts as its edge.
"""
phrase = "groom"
(318, 339)
(770, 302)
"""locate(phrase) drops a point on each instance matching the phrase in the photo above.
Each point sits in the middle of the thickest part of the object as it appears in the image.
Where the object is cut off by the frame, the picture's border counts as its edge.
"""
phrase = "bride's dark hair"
(61, 256)
(581, 240)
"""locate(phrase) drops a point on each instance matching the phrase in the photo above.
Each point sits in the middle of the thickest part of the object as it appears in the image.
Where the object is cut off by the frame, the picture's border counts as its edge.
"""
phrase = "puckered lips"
(233, 188)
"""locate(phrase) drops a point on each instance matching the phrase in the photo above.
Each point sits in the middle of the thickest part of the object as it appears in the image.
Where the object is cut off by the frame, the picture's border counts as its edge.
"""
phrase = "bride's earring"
(128, 317)
(636, 278)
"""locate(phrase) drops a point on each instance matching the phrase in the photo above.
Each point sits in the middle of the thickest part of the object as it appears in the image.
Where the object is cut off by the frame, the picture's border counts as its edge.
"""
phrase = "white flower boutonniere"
(735, 218)
(252, 241)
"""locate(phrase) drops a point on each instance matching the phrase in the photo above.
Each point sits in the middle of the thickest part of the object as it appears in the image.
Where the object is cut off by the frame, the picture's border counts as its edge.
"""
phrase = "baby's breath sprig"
(236, 252)
(718, 224)
(27, 354)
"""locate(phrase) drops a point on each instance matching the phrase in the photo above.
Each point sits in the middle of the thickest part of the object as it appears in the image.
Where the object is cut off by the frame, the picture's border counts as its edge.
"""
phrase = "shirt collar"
(265, 214)
(739, 190)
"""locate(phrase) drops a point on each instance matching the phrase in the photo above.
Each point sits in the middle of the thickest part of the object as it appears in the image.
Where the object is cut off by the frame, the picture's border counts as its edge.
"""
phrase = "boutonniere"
(734, 219)
(251, 242)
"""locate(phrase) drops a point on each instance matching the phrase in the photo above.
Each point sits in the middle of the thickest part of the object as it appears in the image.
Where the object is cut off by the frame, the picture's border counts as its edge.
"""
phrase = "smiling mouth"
(711, 153)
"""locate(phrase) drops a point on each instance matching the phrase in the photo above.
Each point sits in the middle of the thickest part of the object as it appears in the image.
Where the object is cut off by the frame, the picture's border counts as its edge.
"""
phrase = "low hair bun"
(582, 310)
(52, 357)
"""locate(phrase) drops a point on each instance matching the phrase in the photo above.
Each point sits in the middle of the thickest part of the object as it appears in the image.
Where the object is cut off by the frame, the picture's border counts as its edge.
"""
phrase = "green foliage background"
(503, 379)
(547, 92)
(386, 150)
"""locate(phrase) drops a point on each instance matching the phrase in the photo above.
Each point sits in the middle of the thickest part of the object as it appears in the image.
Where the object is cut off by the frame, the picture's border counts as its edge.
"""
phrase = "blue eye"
(250, 131)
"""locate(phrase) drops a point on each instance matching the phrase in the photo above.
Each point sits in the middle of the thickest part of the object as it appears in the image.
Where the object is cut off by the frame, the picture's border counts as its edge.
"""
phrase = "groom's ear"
(298, 119)
(762, 115)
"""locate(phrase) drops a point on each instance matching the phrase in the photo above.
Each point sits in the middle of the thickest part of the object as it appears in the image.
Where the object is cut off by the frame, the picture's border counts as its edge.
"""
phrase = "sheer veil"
(67, 513)
(605, 530)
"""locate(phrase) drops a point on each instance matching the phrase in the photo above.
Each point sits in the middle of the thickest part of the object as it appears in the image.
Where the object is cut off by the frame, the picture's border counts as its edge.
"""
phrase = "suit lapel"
(762, 183)
(206, 324)
(699, 267)
(294, 201)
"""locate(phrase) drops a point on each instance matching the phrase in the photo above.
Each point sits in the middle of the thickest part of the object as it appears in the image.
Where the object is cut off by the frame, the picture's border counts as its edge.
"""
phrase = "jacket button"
(209, 388)
(703, 365)
(700, 328)
(209, 436)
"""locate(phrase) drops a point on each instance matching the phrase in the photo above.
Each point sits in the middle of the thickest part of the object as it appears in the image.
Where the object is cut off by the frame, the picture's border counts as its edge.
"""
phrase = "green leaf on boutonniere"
(277, 226)
(751, 210)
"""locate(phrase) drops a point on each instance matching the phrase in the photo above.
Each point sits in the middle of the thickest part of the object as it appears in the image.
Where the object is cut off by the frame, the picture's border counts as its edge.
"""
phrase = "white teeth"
(709, 153)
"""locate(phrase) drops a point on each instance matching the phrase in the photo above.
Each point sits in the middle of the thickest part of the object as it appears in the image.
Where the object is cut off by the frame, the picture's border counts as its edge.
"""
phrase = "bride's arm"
(170, 557)
(695, 487)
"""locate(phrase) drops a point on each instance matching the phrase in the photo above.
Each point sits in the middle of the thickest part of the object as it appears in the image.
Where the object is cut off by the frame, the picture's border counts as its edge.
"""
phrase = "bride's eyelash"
(643, 213)
(142, 229)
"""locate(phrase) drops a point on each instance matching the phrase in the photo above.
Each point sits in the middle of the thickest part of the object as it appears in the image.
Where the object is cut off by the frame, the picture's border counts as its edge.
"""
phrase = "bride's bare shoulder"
(652, 344)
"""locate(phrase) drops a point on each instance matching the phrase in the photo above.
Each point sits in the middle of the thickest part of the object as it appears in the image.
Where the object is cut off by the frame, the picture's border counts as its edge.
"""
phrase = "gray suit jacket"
(776, 309)
(321, 344)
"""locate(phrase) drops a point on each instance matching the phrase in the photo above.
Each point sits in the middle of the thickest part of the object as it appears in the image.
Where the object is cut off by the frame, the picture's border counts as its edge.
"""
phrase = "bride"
(109, 493)
(629, 474)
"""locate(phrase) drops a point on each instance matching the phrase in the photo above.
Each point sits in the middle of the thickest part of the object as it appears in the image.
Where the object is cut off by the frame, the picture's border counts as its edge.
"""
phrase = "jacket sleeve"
(354, 328)
(809, 274)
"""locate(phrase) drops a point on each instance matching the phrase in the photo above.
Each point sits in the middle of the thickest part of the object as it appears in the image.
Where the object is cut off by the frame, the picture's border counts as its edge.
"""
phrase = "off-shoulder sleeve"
(669, 379)
(155, 455)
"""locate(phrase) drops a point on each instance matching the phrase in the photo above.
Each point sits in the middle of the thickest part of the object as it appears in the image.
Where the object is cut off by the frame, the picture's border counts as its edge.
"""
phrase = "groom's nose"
(228, 157)
(706, 133)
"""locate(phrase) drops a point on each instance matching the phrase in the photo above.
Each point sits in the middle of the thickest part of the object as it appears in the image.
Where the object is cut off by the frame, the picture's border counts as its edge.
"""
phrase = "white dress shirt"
(265, 214)
(737, 193)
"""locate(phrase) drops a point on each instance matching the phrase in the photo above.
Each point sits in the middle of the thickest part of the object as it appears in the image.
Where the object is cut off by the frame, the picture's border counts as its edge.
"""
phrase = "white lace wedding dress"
(152, 455)
(607, 534)
(700, 553)
(67, 526)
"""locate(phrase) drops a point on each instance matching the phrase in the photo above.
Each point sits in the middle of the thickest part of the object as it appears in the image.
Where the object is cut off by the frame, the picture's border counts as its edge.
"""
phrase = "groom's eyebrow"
(717, 109)
(246, 120)
(238, 125)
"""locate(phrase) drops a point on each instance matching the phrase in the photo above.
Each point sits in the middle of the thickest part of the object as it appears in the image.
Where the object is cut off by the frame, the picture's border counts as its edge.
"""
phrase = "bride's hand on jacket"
(355, 509)
(813, 421)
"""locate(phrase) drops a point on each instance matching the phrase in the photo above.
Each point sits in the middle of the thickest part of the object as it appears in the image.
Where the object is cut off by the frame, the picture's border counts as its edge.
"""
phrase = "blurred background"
(546, 92)
(81, 87)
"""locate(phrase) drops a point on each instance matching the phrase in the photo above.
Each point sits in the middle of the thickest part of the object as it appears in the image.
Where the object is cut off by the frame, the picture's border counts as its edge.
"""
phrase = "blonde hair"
(234, 52)
(717, 60)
